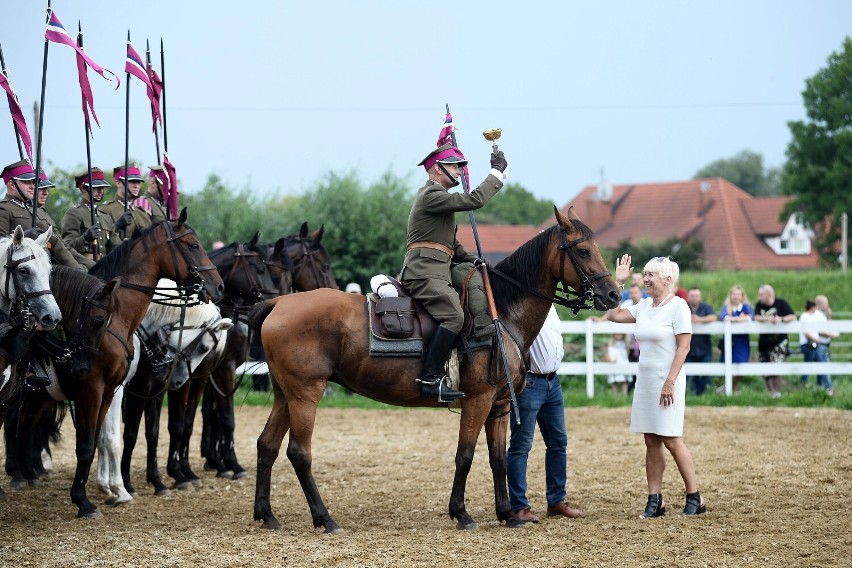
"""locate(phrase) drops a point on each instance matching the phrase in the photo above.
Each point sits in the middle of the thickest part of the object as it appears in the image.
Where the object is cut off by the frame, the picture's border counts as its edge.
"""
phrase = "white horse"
(25, 278)
(201, 334)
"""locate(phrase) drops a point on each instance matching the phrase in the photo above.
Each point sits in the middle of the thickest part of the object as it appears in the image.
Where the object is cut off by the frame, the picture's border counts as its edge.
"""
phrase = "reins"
(22, 297)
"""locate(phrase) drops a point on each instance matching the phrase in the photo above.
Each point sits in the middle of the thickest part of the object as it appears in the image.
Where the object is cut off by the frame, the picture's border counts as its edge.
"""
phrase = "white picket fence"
(590, 367)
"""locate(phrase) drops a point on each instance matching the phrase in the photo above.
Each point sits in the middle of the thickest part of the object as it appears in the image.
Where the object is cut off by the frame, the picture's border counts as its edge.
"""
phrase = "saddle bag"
(397, 316)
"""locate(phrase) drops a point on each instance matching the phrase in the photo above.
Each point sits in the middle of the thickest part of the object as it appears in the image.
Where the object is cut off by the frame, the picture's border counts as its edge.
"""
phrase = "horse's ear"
(43, 239)
(224, 324)
(303, 231)
(317, 236)
(254, 239)
(111, 288)
(18, 236)
(182, 218)
(279, 246)
(564, 221)
(572, 214)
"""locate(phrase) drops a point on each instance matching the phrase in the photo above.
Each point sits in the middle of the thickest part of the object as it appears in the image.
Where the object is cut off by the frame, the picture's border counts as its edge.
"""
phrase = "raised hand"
(623, 268)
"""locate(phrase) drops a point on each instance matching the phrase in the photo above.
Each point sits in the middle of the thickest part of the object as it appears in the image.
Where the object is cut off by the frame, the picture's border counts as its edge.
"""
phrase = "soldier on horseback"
(126, 185)
(154, 196)
(78, 231)
(16, 209)
(432, 249)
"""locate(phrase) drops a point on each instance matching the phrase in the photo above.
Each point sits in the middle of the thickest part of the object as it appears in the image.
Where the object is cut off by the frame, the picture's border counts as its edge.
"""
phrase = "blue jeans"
(699, 383)
(540, 402)
(816, 355)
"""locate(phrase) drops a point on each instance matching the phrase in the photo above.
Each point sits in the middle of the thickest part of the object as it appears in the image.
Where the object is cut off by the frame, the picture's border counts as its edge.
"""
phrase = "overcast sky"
(273, 94)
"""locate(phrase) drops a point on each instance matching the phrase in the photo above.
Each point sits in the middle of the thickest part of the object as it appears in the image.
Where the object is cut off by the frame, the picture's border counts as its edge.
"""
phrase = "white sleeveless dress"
(655, 330)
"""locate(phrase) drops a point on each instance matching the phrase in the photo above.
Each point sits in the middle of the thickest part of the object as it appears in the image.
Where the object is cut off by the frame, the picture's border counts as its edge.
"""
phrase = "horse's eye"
(98, 322)
(584, 253)
(23, 270)
(203, 348)
(194, 246)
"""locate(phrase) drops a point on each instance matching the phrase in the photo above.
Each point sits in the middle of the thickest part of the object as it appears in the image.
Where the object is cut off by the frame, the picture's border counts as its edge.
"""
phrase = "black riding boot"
(433, 380)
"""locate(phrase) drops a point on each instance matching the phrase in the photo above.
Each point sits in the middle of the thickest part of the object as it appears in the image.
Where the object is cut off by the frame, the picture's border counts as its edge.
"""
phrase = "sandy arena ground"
(777, 483)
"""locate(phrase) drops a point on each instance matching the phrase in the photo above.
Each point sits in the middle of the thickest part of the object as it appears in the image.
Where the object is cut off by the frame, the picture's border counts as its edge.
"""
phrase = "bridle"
(187, 292)
(242, 263)
(22, 297)
(309, 255)
(81, 341)
(585, 297)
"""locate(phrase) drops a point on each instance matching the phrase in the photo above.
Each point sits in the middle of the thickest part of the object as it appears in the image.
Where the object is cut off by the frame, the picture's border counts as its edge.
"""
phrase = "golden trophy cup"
(492, 135)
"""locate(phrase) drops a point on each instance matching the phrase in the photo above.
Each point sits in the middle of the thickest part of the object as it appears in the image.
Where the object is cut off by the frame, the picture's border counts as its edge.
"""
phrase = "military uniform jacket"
(426, 270)
(115, 209)
(77, 219)
(432, 218)
(158, 208)
(14, 213)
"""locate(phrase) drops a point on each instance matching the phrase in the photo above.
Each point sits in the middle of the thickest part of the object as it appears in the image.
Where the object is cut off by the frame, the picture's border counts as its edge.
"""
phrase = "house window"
(785, 244)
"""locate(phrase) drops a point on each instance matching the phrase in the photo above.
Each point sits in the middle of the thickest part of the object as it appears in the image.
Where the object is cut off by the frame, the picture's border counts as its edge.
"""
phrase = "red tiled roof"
(730, 222)
(498, 240)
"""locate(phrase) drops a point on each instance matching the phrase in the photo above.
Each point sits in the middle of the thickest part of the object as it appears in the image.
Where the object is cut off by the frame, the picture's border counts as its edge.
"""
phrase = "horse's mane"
(115, 263)
(258, 248)
(166, 313)
(524, 266)
(70, 287)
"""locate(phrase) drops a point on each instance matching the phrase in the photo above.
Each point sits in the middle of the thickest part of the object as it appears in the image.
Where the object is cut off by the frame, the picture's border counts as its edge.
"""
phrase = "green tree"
(513, 205)
(365, 229)
(746, 171)
(818, 172)
(217, 213)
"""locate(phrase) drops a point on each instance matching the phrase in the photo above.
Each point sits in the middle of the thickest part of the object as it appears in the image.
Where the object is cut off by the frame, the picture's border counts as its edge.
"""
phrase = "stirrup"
(438, 388)
(36, 382)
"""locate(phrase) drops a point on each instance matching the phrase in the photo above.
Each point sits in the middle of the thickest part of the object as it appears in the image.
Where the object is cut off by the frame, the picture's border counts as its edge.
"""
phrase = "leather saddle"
(400, 318)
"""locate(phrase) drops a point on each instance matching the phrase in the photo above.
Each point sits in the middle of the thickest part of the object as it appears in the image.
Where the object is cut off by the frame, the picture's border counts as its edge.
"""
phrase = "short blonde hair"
(665, 268)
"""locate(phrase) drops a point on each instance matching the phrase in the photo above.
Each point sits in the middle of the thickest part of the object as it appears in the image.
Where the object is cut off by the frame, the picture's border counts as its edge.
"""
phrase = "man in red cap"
(154, 196)
(78, 232)
(126, 184)
(432, 248)
(16, 209)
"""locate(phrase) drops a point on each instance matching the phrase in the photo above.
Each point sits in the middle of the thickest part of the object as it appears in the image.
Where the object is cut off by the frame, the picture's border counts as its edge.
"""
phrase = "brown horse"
(164, 250)
(314, 337)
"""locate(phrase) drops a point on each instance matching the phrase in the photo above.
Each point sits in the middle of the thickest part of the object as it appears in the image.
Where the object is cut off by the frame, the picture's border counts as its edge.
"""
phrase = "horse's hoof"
(241, 475)
(209, 466)
(271, 524)
(18, 484)
(122, 500)
(35, 483)
(333, 528)
(94, 515)
(165, 492)
(470, 526)
(226, 474)
(135, 495)
(112, 500)
(196, 483)
(185, 486)
(515, 524)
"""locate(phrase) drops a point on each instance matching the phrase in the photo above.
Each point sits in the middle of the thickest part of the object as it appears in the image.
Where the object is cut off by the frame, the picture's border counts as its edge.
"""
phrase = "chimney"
(704, 199)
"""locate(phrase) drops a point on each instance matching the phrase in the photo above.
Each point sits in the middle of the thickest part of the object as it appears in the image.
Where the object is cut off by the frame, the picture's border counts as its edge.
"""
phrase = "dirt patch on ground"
(777, 483)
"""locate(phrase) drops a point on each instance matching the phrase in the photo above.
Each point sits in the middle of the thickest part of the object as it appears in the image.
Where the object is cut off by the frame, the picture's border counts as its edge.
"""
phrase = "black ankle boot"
(694, 506)
(433, 380)
(655, 507)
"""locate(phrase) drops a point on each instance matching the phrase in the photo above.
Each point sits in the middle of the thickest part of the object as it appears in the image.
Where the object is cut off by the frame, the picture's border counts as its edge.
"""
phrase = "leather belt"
(432, 245)
(547, 376)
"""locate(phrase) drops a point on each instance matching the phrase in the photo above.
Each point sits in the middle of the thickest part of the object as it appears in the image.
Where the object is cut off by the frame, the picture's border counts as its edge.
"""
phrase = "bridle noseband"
(22, 297)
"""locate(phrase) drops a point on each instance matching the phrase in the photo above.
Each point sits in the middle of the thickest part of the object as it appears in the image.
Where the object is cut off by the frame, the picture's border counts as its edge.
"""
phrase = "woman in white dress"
(663, 329)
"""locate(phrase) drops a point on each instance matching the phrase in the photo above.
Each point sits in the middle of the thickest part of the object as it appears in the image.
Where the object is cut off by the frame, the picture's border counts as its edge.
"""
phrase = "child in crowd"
(616, 352)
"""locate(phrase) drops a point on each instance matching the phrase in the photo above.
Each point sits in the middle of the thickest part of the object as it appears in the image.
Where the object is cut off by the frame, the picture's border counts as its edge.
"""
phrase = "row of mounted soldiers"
(78, 243)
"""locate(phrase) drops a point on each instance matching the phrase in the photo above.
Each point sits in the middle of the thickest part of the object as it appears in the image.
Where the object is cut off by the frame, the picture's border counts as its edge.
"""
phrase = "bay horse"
(318, 336)
(168, 249)
(300, 262)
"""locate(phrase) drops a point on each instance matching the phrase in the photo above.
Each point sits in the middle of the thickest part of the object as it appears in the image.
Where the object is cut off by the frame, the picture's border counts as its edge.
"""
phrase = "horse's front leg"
(495, 433)
(474, 412)
(89, 418)
(153, 409)
(177, 410)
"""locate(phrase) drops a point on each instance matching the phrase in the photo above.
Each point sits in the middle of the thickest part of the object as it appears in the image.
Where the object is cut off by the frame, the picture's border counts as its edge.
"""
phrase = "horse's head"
(25, 279)
(190, 345)
(196, 269)
(305, 259)
(577, 262)
(244, 271)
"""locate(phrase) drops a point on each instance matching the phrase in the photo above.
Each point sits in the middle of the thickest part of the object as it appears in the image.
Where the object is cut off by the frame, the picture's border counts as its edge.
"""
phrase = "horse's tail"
(258, 314)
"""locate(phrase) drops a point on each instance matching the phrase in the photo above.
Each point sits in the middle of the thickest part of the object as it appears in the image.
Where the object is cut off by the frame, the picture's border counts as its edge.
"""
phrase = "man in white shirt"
(541, 401)
(814, 343)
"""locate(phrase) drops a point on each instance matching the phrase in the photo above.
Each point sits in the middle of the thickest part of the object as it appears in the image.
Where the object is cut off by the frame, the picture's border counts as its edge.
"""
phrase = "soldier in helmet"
(16, 209)
(126, 184)
(155, 196)
(432, 248)
(78, 232)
